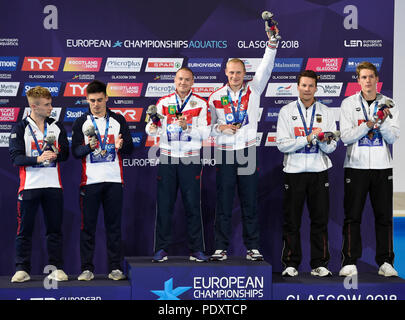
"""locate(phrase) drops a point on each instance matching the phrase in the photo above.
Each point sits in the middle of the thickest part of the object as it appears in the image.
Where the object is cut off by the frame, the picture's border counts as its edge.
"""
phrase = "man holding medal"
(185, 124)
(100, 137)
(306, 167)
(38, 144)
(369, 123)
(235, 111)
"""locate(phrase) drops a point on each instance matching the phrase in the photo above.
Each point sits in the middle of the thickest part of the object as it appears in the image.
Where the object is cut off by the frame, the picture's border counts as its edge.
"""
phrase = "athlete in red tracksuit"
(184, 126)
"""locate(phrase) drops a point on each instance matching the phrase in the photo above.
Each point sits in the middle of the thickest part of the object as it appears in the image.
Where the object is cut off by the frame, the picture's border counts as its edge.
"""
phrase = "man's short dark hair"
(308, 74)
(96, 87)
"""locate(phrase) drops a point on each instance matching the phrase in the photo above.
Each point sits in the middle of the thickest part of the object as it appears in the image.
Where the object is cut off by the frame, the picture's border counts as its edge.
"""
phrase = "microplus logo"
(123, 64)
(8, 63)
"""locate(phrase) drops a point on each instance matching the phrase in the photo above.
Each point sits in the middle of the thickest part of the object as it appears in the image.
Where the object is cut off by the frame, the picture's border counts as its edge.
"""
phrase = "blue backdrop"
(136, 47)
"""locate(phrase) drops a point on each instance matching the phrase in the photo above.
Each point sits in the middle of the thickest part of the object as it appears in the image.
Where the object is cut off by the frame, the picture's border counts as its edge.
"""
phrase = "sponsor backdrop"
(136, 48)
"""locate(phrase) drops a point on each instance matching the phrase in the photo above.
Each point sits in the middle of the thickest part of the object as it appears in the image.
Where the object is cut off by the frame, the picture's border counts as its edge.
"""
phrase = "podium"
(232, 279)
(181, 279)
(366, 286)
(100, 288)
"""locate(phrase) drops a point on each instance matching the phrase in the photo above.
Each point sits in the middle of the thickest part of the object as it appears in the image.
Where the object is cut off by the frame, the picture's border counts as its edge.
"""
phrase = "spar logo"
(82, 64)
(41, 64)
(130, 114)
(75, 89)
(115, 89)
(8, 63)
(163, 64)
(324, 64)
(205, 89)
(9, 114)
(53, 87)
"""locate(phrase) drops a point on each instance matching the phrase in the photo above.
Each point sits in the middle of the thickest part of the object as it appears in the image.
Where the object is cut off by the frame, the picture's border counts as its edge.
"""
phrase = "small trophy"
(379, 116)
(91, 133)
(151, 114)
(49, 145)
(328, 135)
(270, 24)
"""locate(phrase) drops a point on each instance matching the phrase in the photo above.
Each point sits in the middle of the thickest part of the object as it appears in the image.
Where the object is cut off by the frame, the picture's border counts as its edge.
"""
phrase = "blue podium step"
(181, 279)
(367, 286)
(100, 288)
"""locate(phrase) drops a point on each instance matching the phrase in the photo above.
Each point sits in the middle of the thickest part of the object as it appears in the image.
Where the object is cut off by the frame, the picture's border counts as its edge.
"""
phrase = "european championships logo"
(169, 293)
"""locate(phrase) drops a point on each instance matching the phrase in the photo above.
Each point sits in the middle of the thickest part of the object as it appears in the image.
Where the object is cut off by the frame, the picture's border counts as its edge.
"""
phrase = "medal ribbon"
(307, 131)
(180, 109)
(40, 151)
(102, 143)
(236, 112)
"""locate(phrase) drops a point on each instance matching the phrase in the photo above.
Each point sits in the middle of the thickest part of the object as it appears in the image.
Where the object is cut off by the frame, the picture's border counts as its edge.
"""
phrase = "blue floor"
(399, 245)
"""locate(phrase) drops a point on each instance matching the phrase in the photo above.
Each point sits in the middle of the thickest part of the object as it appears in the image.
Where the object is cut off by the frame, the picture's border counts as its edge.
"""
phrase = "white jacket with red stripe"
(361, 153)
(222, 113)
(173, 140)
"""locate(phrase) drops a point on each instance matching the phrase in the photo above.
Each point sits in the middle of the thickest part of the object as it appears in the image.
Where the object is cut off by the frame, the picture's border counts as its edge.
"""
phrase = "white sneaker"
(290, 272)
(348, 270)
(116, 274)
(321, 272)
(219, 255)
(254, 255)
(58, 275)
(387, 270)
(20, 276)
(86, 275)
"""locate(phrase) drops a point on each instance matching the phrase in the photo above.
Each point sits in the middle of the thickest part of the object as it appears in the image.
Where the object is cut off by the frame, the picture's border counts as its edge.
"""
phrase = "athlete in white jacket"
(235, 110)
(368, 169)
(306, 178)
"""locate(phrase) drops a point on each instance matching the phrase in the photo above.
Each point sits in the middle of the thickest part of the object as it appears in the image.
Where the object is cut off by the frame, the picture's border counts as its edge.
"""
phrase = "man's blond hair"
(236, 60)
(366, 65)
(34, 94)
